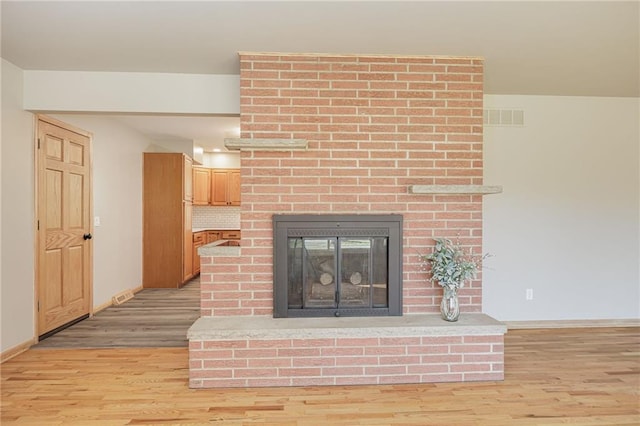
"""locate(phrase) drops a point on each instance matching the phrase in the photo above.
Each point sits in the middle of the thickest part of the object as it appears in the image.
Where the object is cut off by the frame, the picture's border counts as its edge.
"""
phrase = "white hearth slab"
(266, 327)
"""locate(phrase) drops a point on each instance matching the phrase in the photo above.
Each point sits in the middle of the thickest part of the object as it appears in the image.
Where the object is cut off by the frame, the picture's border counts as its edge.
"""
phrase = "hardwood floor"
(153, 318)
(553, 377)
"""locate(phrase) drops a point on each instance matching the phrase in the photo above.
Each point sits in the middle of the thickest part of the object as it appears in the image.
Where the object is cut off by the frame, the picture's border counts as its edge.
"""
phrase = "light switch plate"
(96, 221)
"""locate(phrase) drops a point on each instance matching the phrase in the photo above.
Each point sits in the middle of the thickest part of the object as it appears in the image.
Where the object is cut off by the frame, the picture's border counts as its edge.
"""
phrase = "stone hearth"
(258, 351)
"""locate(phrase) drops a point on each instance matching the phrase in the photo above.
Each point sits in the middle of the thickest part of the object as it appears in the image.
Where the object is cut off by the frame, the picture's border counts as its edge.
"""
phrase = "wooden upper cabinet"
(234, 187)
(187, 171)
(219, 187)
(225, 187)
(201, 186)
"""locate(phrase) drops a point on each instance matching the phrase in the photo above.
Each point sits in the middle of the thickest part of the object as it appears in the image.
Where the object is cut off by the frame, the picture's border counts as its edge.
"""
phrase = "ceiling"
(572, 48)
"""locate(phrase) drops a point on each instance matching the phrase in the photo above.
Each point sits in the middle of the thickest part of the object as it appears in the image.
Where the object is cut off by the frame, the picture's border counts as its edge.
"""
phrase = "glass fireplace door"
(337, 272)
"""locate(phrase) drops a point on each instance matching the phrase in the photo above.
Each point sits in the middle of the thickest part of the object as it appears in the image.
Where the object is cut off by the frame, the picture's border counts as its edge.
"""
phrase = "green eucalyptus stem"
(449, 265)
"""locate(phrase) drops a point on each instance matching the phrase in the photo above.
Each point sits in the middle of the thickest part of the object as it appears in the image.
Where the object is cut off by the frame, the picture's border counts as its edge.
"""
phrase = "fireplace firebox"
(337, 265)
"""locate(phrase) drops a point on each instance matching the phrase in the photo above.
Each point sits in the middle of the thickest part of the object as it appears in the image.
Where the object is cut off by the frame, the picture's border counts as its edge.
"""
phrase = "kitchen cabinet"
(212, 236)
(199, 239)
(187, 178)
(201, 186)
(205, 237)
(187, 235)
(167, 252)
(225, 187)
(230, 235)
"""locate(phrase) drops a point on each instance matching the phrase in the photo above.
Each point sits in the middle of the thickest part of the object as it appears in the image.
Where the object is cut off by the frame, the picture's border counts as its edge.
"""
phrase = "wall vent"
(503, 117)
(120, 298)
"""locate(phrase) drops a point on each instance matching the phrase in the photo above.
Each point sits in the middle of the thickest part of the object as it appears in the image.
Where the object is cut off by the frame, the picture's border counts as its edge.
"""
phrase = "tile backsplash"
(216, 217)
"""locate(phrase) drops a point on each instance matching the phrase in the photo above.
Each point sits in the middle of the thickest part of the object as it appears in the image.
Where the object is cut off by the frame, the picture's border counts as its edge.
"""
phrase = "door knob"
(87, 236)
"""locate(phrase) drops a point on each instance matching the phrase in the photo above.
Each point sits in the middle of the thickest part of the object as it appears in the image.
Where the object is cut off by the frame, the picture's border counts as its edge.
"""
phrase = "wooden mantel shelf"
(455, 189)
(245, 144)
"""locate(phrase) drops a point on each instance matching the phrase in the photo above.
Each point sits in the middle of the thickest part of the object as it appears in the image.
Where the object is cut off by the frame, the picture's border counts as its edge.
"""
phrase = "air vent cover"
(120, 298)
(503, 117)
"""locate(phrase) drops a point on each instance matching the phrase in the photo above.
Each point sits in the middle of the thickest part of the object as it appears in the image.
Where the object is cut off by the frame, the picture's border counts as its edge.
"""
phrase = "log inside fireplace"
(337, 265)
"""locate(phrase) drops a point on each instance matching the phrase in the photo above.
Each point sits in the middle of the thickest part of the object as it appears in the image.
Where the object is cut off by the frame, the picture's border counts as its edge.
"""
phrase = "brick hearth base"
(262, 351)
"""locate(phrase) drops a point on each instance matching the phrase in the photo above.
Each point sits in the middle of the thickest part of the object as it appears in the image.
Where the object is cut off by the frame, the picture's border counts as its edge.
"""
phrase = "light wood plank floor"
(553, 377)
(155, 317)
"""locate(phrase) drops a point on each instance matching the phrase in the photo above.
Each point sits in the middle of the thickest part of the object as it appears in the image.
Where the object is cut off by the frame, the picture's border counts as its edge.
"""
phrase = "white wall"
(131, 92)
(221, 160)
(117, 200)
(17, 240)
(567, 223)
(183, 146)
(1, 138)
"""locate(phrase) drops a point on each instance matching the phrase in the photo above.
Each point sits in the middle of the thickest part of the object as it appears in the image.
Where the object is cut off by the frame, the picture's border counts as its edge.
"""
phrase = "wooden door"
(219, 187)
(212, 236)
(64, 246)
(201, 186)
(187, 180)
(163, 224)
(234, 188)
(199, 239)
(187, 245)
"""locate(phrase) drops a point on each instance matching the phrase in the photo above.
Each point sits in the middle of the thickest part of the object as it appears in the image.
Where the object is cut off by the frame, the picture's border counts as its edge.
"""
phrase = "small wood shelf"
(455, 189)
(242, 144)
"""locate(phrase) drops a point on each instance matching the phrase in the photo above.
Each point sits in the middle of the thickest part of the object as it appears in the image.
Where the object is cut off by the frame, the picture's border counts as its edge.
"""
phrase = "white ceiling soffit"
(205, 131)
(536, 47)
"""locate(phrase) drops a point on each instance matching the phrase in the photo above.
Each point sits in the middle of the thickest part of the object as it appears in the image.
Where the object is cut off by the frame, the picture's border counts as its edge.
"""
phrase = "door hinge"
(38, 225)
(38, 143)
(38, 306)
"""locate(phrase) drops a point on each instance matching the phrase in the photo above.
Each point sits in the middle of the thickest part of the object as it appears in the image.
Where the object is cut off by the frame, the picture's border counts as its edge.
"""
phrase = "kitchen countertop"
(220, 248)
(214, 229)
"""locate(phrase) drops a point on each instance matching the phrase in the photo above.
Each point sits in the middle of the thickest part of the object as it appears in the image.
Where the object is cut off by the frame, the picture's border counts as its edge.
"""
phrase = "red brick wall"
(375, 126)
(345, 361)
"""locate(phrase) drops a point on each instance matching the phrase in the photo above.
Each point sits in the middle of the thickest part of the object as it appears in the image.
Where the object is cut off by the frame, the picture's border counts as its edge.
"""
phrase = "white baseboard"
(16, 350)
(102, 307)
(520, 325)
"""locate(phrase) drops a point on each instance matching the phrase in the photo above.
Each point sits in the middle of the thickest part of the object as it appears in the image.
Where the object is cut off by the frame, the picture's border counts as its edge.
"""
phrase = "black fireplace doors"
(337, 265)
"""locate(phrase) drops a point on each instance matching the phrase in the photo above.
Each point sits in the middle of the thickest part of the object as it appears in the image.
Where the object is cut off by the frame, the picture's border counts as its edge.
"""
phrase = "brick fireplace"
(350, 134)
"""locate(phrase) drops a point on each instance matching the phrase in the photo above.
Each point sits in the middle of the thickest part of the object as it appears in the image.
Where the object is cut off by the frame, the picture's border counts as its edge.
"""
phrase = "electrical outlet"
(529, 294)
